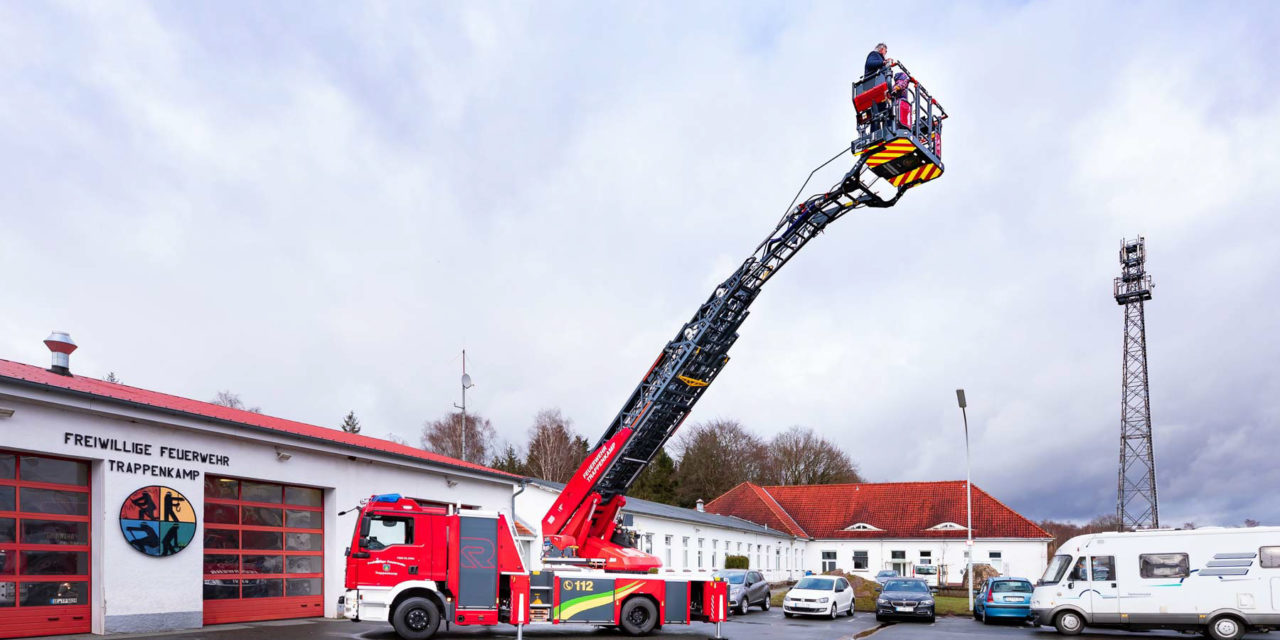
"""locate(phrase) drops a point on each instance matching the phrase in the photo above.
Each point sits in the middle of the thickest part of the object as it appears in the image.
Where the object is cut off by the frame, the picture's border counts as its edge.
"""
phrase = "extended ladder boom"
(580, 524)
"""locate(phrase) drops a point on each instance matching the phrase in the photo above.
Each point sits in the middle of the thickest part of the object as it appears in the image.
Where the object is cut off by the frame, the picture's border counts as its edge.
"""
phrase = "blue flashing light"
(387, 497)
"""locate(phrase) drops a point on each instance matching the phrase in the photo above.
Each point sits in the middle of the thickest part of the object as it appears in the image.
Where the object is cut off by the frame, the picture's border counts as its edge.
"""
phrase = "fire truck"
(417, 563)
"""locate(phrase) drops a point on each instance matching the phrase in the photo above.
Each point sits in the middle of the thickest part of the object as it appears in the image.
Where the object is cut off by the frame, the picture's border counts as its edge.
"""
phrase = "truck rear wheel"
(1226, 628)
(416, 619)
(639, 616)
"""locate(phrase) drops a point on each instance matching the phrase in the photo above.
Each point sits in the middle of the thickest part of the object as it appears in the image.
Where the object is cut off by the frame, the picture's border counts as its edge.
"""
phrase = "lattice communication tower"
(1136, 504)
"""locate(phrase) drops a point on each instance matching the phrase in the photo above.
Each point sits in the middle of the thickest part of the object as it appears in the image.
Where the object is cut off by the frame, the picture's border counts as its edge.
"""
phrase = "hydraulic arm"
(580, 525)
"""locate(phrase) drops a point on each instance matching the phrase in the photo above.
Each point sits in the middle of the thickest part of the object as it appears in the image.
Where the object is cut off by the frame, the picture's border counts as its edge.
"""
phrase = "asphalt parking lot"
(757, 625)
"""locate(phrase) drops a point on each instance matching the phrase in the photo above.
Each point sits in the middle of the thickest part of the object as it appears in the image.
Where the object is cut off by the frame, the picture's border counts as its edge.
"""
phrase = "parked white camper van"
(1220, 581)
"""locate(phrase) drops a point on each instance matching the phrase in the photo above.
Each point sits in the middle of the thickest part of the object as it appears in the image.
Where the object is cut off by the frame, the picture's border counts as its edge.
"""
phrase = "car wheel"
(879, 618)
(986, 619)
(639, 616)
(742, 606)
(976, 616)
(851, 603)
(834, 608)
(932, 619)
(416, 619)
(1068, 623)
(1226, 628)
(764, 606)
(787, 614)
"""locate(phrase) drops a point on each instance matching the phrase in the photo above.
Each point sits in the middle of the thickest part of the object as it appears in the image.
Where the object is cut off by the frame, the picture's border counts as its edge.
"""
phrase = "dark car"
(746, 589)
(1007, 598)
(905, 598)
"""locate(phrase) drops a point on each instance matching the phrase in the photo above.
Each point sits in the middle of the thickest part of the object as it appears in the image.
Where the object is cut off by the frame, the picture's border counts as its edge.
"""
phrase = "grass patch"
(951, 606)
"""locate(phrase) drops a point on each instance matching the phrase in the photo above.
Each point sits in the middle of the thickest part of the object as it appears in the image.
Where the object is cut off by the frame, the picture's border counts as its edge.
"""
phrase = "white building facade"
(126, 510)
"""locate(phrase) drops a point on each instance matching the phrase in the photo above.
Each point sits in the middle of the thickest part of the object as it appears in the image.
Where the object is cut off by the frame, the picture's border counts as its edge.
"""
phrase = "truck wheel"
(1069, 623)
(1226, 628)
(416, 619)
(639, 616)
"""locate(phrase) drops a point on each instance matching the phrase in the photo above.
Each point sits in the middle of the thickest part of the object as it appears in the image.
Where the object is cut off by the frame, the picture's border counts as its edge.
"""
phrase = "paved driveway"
(757, 625)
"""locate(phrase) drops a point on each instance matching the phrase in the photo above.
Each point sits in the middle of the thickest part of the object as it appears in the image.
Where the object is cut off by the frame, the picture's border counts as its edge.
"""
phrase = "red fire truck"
(416, 563)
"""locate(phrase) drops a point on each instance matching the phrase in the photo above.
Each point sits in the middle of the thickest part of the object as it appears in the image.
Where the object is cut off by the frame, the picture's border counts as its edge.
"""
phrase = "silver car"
(746, 589)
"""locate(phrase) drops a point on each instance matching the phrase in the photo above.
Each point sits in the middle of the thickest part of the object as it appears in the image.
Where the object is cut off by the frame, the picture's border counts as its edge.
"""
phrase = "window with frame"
(1164, 565)
(828, 561)
(381, 531)
(668, 540)
(684, 553)
(1103, 568)
(898, 555)
(860, 561)
(1269, 557)
(926, 557)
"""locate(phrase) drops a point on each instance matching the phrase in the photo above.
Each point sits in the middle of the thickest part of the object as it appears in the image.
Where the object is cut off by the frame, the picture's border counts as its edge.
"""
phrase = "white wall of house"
(1019, 557)
(678, 543)
(135, 592)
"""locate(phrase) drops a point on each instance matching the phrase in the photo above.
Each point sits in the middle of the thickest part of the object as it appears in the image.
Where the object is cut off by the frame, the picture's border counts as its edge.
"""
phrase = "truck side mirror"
(347, 552)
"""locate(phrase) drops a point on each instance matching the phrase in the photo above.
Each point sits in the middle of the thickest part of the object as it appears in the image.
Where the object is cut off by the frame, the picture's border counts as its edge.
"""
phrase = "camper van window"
(1164, 565)
(1104, 568)
(1270, 557)
(1081, 572)
(1057, 567)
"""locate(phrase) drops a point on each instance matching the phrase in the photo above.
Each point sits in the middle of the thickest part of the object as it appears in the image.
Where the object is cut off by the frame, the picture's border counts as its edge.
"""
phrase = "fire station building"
(124, 510)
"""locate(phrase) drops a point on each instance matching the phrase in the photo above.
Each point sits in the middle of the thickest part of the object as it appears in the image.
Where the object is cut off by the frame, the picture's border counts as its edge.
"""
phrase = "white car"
(827, 596)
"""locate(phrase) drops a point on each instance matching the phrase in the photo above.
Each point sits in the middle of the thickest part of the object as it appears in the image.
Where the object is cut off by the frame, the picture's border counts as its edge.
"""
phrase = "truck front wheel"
(1069, 623)
(1225, 628)
(639, 616)
(416, 619)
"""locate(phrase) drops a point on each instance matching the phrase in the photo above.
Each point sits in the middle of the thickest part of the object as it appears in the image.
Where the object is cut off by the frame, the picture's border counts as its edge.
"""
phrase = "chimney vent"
(61, 344)
(701, 507)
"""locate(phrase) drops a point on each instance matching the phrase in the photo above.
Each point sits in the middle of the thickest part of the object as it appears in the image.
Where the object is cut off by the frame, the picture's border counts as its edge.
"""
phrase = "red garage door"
(44, 546)
(263, 551)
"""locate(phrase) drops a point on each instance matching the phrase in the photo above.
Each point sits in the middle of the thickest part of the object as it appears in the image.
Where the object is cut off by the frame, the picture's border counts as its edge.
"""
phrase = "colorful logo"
(157, 521)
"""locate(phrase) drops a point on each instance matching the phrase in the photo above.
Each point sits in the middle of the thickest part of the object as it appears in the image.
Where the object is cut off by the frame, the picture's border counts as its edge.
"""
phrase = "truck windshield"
(1057, 568)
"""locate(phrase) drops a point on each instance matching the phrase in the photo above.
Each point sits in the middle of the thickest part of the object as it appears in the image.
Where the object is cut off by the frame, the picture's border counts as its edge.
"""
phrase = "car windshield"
(1056, 569)
(816, 584)
(733, 578)
(1011, 586)
(887, 574)
(906, 585)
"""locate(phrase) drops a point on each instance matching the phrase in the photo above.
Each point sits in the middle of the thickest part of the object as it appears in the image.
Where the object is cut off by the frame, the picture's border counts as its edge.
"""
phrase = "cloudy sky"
(319, 206)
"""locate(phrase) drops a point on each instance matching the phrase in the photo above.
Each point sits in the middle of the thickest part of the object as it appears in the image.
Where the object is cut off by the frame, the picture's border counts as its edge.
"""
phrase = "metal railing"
(885, 121)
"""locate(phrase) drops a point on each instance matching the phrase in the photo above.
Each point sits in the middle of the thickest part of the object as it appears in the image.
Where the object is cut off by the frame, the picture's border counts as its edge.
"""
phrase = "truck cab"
(415, 562)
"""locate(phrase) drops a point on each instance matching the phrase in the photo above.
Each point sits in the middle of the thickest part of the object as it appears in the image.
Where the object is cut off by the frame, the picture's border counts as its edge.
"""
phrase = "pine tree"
(510, 461)
(111, 377)
(350, 424)
(657, 482)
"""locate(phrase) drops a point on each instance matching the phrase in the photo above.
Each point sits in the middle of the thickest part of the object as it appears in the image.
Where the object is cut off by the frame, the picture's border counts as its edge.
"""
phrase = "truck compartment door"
(477, 563)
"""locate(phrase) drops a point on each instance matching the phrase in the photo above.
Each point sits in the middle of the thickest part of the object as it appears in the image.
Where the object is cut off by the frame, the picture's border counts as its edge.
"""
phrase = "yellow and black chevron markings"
(895, 149)
(919, 174)
(890, 151)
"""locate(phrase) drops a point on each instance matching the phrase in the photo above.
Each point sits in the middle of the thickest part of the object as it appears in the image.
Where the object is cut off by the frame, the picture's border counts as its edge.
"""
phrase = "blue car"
(1003, 598)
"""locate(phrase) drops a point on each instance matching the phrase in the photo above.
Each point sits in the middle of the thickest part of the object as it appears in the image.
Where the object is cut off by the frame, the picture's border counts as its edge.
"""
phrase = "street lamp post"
(466, 384)
(968, 496)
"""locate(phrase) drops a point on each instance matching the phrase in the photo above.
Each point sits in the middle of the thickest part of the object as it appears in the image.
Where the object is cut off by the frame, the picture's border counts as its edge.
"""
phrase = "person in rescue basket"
(876, 60)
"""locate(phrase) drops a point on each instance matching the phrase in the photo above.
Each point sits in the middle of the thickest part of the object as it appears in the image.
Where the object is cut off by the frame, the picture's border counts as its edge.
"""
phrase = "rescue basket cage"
(899, 130)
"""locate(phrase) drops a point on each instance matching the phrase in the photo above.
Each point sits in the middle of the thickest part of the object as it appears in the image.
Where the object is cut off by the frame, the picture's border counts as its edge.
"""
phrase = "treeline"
(705, 460)
(1063, 531)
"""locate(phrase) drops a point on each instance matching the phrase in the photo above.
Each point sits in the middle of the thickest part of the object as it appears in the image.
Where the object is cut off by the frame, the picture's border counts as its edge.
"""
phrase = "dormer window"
(862, 526)
(946, 526)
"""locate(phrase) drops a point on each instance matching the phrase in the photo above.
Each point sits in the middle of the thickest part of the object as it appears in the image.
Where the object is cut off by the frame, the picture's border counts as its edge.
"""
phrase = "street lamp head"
(466, 381)
(960, 398)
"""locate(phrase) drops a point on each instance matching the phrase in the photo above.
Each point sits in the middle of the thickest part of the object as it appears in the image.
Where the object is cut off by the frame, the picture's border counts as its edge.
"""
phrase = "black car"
(905, 598)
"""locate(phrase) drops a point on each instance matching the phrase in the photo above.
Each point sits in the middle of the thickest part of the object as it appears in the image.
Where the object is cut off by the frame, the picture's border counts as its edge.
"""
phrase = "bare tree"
(391, 437)
(445, 437)
(714, 457)
(232, 401)
(555, 450)
(800, 456)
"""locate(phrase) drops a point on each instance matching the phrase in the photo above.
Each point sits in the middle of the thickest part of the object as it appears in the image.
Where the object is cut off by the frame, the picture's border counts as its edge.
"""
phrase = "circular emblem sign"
(157, 521)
